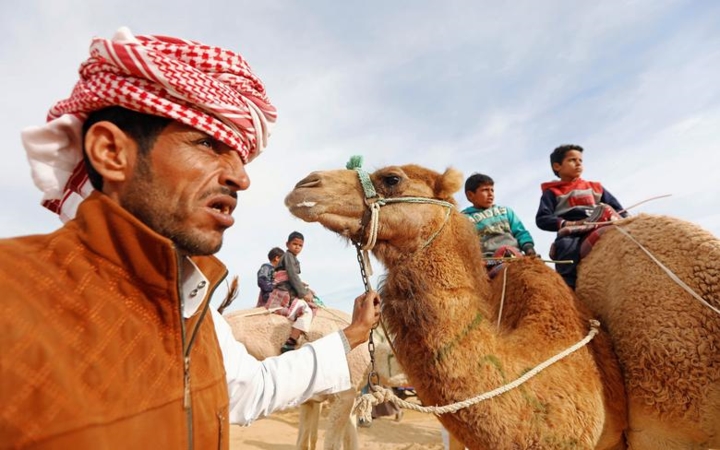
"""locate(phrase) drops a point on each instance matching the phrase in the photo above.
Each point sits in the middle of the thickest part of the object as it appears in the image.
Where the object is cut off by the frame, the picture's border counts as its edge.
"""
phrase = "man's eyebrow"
(196, 132)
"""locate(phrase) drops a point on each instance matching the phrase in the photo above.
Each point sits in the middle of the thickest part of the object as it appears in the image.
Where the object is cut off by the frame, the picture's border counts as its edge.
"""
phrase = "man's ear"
(556, 167)
(110, 151)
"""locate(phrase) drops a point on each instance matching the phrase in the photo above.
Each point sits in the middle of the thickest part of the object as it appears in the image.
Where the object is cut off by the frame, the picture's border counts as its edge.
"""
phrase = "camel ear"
(449, 183)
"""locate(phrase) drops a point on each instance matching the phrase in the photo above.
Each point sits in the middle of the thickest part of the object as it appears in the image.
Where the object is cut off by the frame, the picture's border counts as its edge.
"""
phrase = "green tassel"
(354, 163)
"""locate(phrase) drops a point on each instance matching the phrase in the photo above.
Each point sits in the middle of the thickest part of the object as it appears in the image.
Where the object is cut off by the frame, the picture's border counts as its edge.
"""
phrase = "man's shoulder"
(23, 247)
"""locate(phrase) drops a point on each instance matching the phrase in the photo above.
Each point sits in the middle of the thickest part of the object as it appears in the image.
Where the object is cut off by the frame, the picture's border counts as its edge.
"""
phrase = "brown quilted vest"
(92, 342)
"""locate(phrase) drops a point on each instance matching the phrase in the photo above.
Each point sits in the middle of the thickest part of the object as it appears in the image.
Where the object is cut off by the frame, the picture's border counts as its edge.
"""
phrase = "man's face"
(483, 197)
(185, 189)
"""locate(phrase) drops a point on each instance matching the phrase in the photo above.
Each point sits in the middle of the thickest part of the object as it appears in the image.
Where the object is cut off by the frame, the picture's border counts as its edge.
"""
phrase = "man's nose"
(234, 175)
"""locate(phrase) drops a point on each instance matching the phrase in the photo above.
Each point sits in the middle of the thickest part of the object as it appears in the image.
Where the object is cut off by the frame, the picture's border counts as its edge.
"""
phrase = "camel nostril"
(310, 181)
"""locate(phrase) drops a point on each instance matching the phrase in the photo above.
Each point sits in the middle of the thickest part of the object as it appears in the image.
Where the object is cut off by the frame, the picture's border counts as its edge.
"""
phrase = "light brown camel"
(668, 342)
(263, 334)
(442, 310)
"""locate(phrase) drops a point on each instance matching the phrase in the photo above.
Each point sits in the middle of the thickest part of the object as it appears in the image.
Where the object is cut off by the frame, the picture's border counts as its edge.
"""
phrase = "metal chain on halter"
(355, 163)
(373, 376)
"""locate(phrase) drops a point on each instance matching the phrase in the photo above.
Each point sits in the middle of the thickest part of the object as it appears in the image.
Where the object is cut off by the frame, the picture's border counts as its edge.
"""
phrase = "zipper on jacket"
(187, 346)
(186, 359)
(221, 420)
(186, 397)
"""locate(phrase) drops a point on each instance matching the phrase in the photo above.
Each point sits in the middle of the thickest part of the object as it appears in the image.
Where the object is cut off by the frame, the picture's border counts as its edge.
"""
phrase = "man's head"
(295, 242)
(184, 187)
(566, 162)
(166, 133)
(275, 255)
(480, 190)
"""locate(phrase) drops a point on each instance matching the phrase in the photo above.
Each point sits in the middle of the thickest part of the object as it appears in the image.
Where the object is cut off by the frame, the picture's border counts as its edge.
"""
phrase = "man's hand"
(309, 296)
(366, 313)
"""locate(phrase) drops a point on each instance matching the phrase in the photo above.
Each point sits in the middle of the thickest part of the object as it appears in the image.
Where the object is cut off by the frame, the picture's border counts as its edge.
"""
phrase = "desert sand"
(413, 431)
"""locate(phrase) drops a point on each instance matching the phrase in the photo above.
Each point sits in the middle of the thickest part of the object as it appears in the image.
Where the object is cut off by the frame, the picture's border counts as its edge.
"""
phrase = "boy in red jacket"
(567, 204)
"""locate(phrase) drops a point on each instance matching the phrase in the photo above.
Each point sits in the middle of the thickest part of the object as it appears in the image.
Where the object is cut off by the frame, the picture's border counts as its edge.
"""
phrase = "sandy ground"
(413, 431)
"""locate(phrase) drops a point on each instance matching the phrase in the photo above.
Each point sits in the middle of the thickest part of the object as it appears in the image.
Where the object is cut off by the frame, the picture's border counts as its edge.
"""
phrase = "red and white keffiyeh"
(208, 88)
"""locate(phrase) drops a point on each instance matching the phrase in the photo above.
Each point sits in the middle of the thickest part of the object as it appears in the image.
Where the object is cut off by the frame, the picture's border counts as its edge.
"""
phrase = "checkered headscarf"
(208, 88)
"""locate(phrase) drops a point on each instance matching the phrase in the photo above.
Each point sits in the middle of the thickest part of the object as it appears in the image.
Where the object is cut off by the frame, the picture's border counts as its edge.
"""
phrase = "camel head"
(413, 204)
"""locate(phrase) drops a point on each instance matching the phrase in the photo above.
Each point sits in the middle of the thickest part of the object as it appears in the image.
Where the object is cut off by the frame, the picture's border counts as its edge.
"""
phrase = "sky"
(481, 86)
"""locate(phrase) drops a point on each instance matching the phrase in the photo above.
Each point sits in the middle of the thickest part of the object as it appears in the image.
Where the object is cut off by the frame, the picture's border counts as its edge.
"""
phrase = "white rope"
(644, 201)
(260, 313)
(436, 233)
(337, 316)
(669, 273)
(375, 216)
(611, 222)
(502, 297)
(272, 310)
(374, 221)
(363, 405)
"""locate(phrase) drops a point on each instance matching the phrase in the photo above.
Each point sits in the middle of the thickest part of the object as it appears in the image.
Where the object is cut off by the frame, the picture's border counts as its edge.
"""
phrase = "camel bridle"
(374, 202)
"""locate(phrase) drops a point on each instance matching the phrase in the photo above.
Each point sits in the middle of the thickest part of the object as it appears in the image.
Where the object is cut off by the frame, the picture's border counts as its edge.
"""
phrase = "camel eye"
(391, 180)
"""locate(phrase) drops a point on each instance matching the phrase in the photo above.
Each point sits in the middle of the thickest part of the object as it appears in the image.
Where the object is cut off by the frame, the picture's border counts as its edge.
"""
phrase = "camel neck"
(444, 283)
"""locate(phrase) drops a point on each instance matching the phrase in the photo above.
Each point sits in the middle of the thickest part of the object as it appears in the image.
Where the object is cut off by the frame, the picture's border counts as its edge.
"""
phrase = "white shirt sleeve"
(258, 388)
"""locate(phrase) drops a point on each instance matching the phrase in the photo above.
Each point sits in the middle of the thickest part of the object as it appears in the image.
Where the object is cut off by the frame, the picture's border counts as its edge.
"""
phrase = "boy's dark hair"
(142, 128)
(275, 252)
(296, 235)
(476, 180)
(559, 153)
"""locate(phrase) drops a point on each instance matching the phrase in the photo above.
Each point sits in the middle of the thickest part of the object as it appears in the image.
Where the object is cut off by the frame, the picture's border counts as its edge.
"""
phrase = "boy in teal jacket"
(497, 226)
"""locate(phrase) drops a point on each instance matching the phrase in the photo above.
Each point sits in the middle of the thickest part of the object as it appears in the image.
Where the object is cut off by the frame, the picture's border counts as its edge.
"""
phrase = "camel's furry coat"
(668, 343)
(440, 305)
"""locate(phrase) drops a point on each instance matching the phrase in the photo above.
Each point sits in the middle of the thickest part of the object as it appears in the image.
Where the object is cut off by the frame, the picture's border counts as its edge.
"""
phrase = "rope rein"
(363, 405)
(375, 206)
(502, 297)
(669, 272)
(260, 313)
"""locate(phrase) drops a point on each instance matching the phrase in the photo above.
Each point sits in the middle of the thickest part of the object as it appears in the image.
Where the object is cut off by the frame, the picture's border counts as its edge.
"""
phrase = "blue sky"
(481, 86)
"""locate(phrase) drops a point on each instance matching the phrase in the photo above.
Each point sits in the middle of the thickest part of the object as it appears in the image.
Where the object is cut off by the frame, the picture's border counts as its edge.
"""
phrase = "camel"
(263, 333)
(442, 310)
(668, 342)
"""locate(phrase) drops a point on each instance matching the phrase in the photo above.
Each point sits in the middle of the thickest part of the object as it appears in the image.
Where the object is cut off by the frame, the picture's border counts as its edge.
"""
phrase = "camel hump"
(263, 332)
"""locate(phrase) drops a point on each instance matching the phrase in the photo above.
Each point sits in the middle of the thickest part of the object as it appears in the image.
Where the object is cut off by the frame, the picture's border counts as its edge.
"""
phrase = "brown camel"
(443, 310)
(668, 342)
(263, 333)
